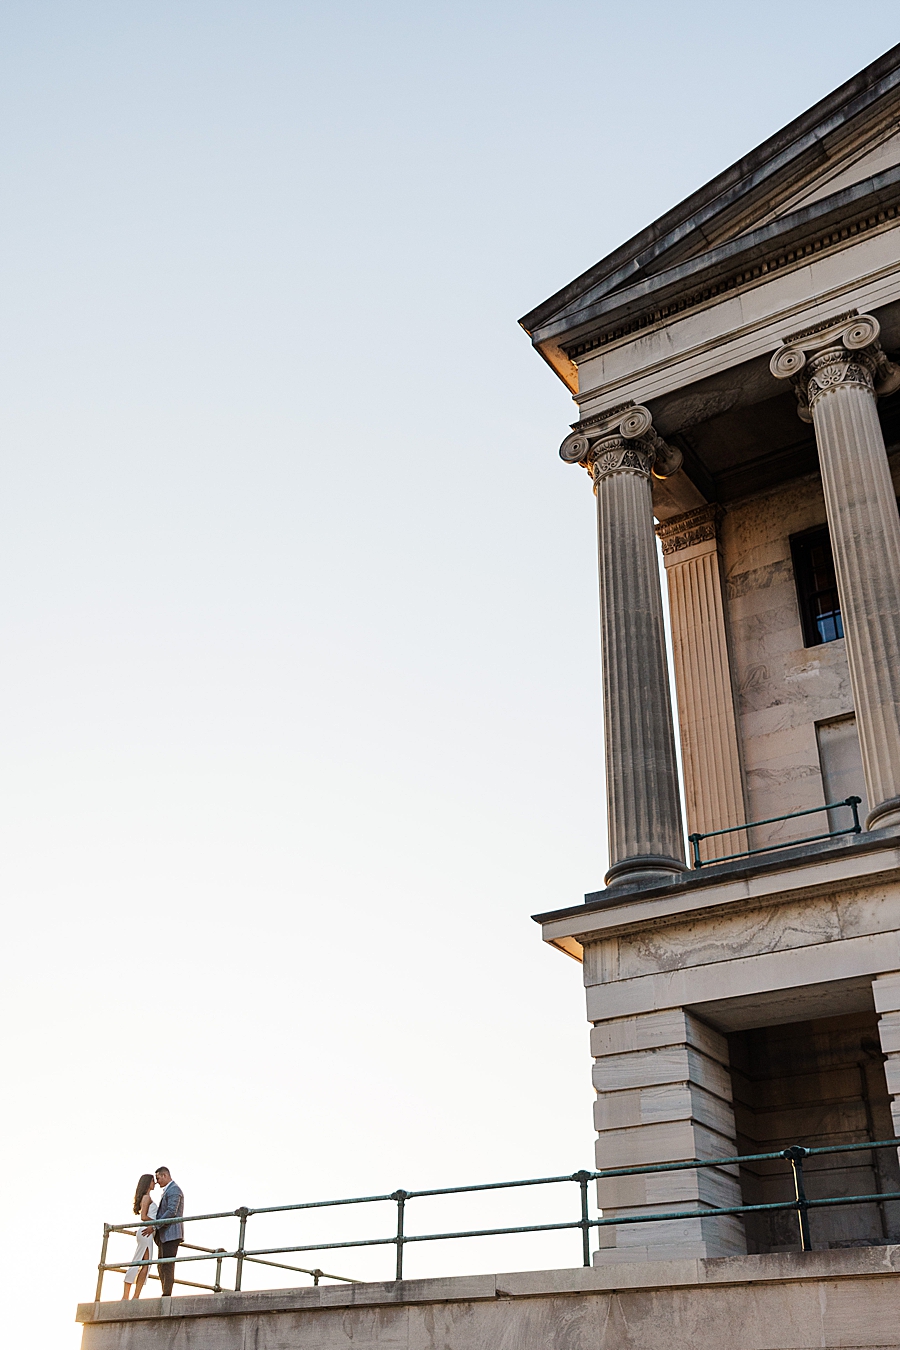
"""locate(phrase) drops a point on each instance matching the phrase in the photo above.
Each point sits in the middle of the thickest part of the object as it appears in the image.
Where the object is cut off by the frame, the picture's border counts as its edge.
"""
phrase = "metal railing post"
(583, 1178)
(242, 1214)
(853, 803)
(795, 1157)
(694, 841)
(401, 1197)
(101, 1269)
(218, 1288)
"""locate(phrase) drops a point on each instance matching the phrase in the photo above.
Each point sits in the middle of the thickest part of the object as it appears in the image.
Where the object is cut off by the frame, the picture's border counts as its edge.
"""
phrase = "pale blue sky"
(300, 714)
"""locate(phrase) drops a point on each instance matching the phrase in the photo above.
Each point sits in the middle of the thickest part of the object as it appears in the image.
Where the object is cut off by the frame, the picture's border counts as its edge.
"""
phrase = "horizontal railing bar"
(320, 1204)
(301, 1270)
(773, 848)
(120, 1270)
(170, 1260)
(412, 1195)
(167, 1223)
(775, 820)
(490, 1186)
(214, 1253)
(425, 1237)
(645, 1169)
(872, 1197)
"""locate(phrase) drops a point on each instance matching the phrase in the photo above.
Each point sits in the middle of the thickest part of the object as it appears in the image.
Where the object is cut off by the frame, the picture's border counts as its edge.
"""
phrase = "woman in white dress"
(146, 1208)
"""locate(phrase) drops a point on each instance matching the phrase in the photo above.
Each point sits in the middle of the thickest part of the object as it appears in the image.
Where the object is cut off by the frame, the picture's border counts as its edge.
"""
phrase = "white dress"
(144, 1249)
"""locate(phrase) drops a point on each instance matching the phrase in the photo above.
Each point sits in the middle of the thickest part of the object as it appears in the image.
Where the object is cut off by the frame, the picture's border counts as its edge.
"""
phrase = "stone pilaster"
(620, 450)
(707, 718)
(664, 1095)
(837, 370)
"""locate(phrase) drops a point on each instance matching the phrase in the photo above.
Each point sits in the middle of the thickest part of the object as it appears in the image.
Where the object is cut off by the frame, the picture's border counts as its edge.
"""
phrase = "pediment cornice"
(788, 241)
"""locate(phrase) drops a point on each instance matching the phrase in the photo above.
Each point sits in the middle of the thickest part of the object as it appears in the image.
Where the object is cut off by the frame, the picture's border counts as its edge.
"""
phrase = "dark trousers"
(167, 1271)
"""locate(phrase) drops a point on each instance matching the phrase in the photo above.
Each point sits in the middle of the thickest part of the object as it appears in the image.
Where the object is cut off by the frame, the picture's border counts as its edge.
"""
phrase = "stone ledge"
(781, 1268)
(791, 874)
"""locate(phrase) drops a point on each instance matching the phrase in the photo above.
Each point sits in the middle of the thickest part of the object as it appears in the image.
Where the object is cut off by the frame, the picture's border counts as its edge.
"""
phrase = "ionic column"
(620, 450)
(707, 718)
(837, 371)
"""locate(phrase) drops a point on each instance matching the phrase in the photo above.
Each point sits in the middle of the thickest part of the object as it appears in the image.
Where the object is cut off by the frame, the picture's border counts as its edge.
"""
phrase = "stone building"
(733, 367)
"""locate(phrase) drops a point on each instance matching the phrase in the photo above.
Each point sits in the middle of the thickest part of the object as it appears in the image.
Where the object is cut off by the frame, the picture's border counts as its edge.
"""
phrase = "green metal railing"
(400, 1238)
(696, 839)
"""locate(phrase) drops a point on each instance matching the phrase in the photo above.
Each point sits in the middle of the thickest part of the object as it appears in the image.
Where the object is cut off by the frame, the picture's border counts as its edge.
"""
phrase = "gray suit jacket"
(171, 1206)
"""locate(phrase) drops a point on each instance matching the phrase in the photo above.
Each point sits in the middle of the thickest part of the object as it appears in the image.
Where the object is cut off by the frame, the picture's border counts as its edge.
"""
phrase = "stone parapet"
(783, 1302)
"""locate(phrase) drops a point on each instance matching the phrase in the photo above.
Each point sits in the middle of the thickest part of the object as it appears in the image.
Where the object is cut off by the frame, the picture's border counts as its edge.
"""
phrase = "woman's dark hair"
(145, 1184)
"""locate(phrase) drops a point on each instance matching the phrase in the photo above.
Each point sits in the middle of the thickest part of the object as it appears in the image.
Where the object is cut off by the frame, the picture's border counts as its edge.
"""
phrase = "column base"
(884, 815)
(648, 867)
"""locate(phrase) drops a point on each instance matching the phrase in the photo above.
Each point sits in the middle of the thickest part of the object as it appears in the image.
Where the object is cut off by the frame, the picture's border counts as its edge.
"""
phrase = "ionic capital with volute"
(620, 440)
(843, 351)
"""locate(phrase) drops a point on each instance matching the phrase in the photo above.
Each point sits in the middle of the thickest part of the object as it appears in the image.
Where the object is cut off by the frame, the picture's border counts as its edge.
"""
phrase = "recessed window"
(840, 760)
(820, 608)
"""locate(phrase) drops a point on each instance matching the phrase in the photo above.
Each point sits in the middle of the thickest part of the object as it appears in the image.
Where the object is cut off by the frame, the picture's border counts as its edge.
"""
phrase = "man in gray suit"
(171, 1206)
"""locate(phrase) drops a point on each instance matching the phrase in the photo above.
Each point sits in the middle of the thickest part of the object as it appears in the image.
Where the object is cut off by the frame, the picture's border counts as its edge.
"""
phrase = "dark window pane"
(820, 607)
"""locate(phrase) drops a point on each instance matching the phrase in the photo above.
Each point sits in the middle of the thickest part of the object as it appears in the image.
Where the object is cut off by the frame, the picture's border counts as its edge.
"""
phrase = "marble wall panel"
(670, 1101)
(783, 688)
(671, 1026)
(689, 1189)
(672, 1064)
(674, 1238)
(669, 1142)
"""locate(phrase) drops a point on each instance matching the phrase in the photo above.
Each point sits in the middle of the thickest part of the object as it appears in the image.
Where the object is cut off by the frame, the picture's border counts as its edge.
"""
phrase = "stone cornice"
(684, 300)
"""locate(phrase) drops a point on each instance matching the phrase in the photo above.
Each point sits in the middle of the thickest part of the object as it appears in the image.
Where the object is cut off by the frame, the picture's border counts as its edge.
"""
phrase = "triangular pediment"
(849, 168)
(841, 157)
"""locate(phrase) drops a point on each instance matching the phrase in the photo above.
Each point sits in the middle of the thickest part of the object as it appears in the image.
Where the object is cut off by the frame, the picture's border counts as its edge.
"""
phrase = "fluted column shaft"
(643, 806)
(837, 384)
(707, 717)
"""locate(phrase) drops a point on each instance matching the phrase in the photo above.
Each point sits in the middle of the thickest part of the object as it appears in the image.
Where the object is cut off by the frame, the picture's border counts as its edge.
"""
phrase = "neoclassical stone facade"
(737, 373)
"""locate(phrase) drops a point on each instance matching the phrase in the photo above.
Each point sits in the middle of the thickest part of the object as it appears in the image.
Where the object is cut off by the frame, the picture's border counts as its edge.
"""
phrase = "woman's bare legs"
(127, 1290)
(139, 1282)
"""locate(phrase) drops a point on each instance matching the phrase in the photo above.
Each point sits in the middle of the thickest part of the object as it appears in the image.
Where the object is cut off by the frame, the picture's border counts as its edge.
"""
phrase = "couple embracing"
(170, 1205)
